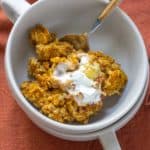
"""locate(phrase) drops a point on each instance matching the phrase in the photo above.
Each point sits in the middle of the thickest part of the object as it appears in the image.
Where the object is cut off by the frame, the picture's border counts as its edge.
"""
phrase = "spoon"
(80, 41)
(107, 10)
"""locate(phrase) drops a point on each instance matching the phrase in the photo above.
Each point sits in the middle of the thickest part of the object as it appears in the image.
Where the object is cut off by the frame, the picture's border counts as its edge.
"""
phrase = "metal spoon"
(107, 10)
(80, 41)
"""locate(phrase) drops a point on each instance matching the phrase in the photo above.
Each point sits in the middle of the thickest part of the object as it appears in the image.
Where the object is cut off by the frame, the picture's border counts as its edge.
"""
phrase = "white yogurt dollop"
(84, 91)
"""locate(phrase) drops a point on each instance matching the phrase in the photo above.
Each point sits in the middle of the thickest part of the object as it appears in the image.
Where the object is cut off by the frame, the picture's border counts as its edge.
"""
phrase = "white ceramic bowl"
(119, 38)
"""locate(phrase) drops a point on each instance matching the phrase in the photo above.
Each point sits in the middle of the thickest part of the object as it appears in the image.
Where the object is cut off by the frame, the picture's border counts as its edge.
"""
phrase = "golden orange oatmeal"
(69, 81)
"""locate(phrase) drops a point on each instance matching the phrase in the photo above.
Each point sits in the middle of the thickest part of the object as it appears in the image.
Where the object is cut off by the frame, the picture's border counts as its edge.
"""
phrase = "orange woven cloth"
(17, 132)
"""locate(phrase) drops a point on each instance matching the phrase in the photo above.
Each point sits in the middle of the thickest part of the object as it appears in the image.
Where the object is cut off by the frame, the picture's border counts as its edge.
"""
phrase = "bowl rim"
(30, 110)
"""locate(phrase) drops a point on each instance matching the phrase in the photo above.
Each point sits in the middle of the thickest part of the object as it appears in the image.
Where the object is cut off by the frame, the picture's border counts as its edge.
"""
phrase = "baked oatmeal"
(69, 81)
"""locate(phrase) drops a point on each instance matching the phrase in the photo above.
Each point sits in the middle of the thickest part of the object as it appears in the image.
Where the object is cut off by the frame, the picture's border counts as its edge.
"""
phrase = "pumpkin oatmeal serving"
(69, 82)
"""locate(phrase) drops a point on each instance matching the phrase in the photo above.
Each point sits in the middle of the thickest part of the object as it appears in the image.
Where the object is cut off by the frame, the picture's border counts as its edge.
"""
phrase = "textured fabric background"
(17, 132)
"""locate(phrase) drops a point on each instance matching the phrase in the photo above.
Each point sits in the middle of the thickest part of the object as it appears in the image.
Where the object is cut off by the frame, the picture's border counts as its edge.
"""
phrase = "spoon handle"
(112, 4)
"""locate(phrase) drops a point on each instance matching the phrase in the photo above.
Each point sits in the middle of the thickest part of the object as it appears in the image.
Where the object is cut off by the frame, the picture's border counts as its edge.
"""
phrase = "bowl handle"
(109, 141)
(14, 8)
